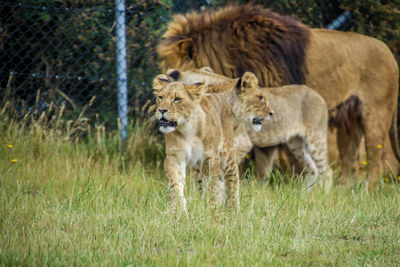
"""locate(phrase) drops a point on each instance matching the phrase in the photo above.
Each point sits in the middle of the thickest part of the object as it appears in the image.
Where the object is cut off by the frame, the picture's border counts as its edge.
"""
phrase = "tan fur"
(199, 133)
(300, 121)
(294, 115)
(338, 65)
(225, 87)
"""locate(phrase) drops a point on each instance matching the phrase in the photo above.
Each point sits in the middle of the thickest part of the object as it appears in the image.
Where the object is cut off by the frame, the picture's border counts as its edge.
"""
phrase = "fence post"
(337, 23)
(121, 67)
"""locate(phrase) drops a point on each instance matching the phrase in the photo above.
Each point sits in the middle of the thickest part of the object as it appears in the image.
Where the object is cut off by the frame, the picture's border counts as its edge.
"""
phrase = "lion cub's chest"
(194, 151)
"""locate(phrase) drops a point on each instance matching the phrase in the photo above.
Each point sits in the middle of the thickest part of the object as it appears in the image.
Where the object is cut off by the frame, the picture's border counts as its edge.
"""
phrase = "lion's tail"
(394, 133)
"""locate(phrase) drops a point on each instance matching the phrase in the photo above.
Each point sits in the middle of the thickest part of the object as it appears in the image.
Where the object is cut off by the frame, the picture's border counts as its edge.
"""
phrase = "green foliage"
(377, 18)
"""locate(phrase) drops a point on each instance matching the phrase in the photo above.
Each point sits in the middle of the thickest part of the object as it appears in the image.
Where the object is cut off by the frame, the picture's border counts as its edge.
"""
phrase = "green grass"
(65, 202)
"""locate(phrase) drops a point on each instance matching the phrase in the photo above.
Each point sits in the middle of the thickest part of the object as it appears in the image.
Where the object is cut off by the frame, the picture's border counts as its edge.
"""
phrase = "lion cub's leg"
(230, 172)
(175, 171)
(211, 168)
(317, 146)
(297, 145)
(201, 176)
(198, 176)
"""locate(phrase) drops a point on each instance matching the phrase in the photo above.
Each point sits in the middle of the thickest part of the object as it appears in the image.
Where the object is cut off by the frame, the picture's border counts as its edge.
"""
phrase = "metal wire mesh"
(63, 52)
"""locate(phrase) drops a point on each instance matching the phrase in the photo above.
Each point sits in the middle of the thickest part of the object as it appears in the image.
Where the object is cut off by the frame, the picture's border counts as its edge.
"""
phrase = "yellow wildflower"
(386, 179)
(10, 146)
(398, 177)
(364, 162)
(379, 146)
(14, 160)
(247, 156)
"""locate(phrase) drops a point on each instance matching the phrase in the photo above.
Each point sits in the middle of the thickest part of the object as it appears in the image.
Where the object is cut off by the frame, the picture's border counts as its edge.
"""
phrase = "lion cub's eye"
(159, 97)
(177, 99)
(261, 98)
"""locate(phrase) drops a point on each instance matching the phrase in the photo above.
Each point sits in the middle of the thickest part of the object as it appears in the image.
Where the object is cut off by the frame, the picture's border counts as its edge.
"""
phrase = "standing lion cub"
(300, 121)
(198, 131)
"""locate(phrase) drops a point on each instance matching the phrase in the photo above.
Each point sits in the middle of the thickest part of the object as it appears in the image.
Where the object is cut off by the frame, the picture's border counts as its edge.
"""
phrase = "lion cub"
(198, 131)
(300, 121)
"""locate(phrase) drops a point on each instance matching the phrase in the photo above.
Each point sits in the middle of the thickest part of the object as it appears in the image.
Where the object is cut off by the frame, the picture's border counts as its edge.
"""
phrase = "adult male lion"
(356, 75)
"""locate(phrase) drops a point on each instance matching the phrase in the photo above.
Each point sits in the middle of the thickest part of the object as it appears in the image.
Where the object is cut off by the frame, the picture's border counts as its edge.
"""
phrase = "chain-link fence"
(58, 53)
(64, 52)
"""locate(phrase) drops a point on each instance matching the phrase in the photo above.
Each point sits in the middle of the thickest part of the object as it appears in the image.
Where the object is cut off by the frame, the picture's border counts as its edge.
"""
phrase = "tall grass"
(69, 202)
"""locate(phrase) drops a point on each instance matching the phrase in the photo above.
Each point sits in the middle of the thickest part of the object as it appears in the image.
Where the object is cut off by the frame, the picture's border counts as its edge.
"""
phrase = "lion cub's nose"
(162, 111)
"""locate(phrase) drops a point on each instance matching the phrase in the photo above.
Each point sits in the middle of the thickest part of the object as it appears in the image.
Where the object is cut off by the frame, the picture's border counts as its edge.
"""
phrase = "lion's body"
(202, 137)
(280, 50)
(224, 87)
(299, 120)
(370, 74)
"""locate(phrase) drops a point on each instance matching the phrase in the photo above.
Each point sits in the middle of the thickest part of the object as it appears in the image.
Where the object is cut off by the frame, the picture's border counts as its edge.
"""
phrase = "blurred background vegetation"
(61, 53)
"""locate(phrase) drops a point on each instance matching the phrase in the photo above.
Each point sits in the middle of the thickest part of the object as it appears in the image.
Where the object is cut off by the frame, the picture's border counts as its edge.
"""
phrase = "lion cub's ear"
(159, 82)
(247, 81)
(196, 90)
(174, 74)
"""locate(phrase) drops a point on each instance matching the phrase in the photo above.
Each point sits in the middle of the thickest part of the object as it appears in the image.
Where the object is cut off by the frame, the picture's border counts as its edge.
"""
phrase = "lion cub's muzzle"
(257, 121)
(166, 123)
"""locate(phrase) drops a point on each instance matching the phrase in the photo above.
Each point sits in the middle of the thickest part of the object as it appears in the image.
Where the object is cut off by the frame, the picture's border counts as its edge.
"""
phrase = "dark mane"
(237, 39)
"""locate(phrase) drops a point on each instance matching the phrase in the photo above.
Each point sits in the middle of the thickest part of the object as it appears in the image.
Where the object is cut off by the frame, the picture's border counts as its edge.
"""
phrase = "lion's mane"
(247, 32)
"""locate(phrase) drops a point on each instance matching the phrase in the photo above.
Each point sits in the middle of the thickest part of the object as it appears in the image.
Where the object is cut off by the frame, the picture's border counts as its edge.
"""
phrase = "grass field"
(65, 202)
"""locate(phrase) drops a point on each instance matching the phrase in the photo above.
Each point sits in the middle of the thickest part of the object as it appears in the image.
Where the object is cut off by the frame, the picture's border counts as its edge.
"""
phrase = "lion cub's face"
(254, 101)
(175, 102)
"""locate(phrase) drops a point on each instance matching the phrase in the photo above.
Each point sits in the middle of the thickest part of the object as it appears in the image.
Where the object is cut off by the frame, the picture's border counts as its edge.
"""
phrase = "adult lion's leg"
(348, 120)
(375, 133)
(264, 158)
(348, 145)
(333, 151)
